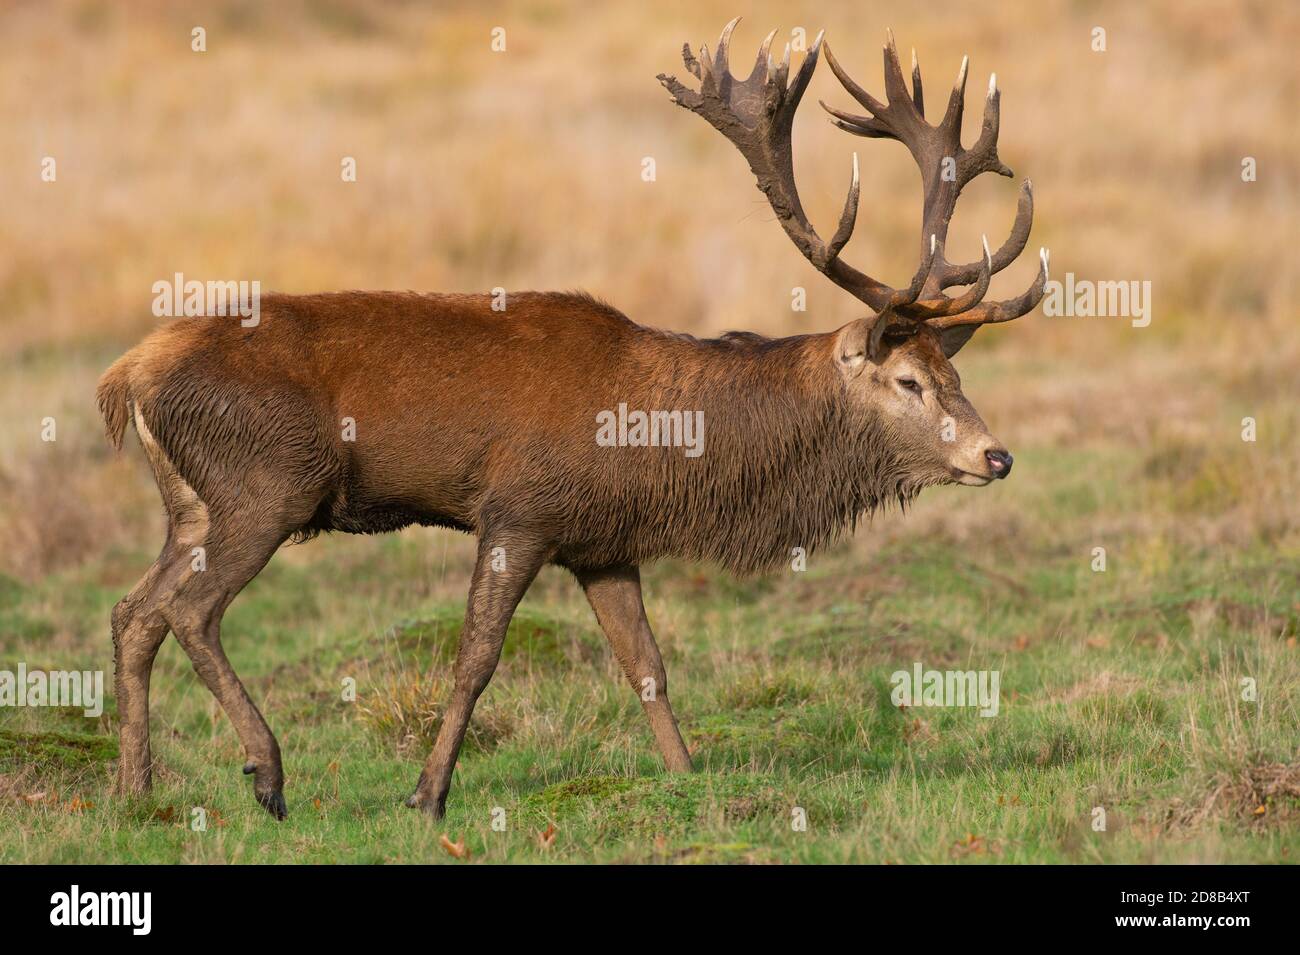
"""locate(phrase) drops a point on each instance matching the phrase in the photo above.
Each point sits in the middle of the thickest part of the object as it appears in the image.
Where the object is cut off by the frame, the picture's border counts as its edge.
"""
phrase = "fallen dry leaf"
(546, 839)
(456, 850)
(971, 845)
(917, 731)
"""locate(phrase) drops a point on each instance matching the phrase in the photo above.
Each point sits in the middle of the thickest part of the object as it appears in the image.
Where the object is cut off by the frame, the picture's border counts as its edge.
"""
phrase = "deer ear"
(869, 339)
(852, 346)
(951, 339)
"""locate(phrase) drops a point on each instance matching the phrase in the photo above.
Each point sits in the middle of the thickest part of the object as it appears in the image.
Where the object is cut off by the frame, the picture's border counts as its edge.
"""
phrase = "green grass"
(1119, 690)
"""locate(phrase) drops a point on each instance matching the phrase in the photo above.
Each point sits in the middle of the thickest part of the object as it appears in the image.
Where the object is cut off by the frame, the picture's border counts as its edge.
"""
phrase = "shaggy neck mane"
(785, 463)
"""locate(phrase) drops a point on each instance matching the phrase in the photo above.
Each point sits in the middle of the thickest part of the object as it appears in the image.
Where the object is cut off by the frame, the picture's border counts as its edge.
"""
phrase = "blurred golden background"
(523, 168)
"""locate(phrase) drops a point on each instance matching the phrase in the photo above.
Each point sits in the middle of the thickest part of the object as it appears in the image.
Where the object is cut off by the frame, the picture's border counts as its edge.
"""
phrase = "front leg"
(506, 566)
(615, 594)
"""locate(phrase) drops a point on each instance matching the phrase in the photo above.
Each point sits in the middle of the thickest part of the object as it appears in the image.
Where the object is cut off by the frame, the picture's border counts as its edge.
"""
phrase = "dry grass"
(1264, 793)
(522, 169)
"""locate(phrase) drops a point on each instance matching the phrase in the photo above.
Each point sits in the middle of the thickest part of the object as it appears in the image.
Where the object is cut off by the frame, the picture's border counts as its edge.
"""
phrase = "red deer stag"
(489, 422)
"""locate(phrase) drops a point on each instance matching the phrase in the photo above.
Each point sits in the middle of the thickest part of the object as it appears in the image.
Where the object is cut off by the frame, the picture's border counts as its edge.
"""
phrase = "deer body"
(366, 412)
(460, 414)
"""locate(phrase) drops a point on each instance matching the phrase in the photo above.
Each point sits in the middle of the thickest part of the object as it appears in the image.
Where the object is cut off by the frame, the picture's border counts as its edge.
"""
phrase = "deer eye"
(910, 384)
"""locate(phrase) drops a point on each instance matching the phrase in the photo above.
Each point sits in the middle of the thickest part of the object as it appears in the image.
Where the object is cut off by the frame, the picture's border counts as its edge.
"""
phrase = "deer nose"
(1000, 462)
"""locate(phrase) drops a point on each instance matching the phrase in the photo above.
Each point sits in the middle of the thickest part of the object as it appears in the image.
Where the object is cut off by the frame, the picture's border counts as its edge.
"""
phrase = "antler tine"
(782, 70)
(918, 100)
(895, 89)
(724, 39)
(872, 105)
(689, 59)
(907, 296)
(991, 313)
(858, 125)
(706, 67)
(983, 156)
(1007, 253)
(720, 66)
(804, 76)
(900, 118)
(763, 59)
(956, 100)
(848, 217)
(969, 299)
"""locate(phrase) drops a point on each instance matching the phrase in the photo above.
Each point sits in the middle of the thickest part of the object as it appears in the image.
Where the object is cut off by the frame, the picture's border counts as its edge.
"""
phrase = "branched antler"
(757, 115)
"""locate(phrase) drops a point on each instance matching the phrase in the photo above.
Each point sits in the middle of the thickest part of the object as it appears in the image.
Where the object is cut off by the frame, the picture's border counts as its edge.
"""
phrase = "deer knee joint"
(474, 671)
(651, 682)
(123, 611)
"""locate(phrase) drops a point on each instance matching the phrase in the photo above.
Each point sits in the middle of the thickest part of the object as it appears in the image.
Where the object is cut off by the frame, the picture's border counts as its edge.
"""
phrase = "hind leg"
(234, 556)
(138, 632)
(245, 515)
(139, 627)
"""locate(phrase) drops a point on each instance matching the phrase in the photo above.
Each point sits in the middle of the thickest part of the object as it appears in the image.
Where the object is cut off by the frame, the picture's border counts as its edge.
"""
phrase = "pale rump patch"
(188, 513)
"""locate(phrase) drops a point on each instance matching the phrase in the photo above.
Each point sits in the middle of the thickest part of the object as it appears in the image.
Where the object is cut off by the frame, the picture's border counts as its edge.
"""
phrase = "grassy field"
(1120, 689)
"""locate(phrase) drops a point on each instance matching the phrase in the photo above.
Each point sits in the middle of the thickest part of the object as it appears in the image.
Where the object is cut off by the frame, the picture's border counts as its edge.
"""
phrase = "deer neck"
(783, 444)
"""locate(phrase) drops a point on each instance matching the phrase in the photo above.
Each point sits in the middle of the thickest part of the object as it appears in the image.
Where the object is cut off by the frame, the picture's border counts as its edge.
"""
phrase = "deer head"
(894, 363)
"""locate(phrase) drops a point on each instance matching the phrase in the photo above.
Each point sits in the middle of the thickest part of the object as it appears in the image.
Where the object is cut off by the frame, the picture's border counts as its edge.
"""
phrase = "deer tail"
(114, 397)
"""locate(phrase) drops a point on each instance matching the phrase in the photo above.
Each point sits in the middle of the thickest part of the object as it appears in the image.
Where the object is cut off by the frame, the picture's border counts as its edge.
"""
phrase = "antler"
(757, 115)
(946, 166)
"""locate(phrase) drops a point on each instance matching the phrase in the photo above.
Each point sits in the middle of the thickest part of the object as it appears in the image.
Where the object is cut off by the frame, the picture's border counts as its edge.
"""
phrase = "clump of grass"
(764, 690)
(1265, 793)
(567, 798)
(406, 710)
(533, 640)
(643, 807)
(718, 729)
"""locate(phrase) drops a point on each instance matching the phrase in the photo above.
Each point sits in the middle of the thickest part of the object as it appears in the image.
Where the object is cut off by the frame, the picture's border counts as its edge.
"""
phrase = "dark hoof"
(433, 807)
(274, 804)
(250, 767)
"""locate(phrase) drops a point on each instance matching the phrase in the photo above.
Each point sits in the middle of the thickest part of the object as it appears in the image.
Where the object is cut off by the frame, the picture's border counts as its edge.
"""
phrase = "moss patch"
(48, 752)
